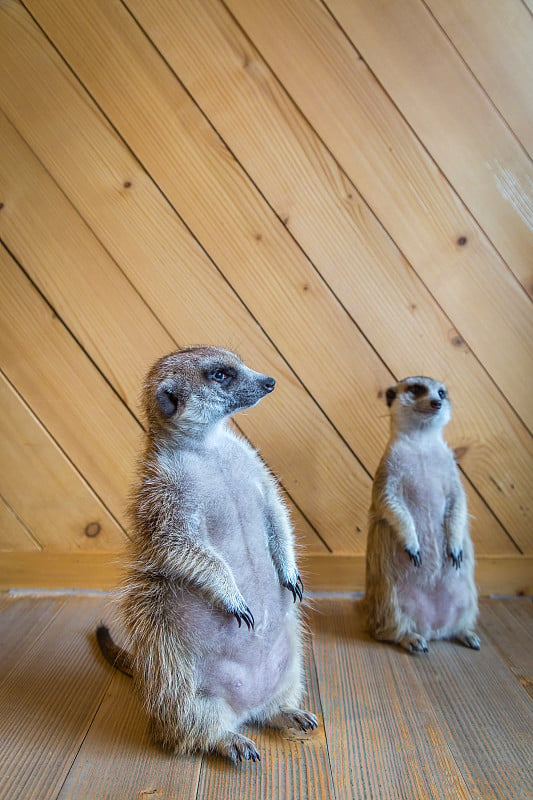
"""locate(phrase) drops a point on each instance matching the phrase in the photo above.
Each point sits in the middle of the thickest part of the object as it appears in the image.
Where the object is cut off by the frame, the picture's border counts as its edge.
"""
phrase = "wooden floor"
(453, 724)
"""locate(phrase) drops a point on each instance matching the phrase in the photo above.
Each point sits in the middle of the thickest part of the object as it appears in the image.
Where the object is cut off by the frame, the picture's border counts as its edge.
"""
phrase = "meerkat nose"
(436, 404)
(269, 384)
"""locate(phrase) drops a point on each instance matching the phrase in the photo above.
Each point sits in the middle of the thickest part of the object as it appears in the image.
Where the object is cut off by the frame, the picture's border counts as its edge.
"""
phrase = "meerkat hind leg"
(469, 639)
(294, 718)
(236, 747)
(414, 643)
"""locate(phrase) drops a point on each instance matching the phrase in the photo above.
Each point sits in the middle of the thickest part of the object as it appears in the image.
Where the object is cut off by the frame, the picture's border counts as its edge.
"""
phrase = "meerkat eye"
(221, 375)
(442, 394)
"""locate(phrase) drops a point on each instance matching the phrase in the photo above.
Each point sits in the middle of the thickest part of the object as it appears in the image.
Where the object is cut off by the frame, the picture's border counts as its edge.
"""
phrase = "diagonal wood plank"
(452, 116)
(13, 534)
(161, 90)
(399, 181)
(383, 733)
(49, 701)
(292, 764)
(44, 489)
(495, 38)
(47, 367)
(23, 620)
(328, 483)
(221, 69)
(98, 304)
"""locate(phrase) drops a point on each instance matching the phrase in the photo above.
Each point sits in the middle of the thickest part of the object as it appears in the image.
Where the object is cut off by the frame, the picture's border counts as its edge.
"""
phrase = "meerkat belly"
(434, 607)
(433, 595)
(246, 668)
(243, 667)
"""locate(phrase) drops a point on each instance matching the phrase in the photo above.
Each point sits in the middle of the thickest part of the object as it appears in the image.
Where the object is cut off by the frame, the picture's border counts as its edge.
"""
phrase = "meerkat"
(420, 558)
(209, 602)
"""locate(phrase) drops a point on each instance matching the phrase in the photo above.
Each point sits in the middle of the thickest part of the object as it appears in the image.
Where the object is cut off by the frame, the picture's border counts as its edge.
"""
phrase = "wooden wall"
(341, 191)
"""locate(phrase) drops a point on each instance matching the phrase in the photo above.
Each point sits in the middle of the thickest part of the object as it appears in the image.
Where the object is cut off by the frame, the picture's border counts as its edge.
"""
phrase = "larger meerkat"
(212, 549)
(420, 558)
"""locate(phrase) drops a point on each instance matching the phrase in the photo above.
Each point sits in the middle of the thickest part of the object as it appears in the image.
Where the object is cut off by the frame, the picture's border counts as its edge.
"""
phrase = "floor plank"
(509, 625)
(383, 733)
(452, 724)
(23, 619)
(486, 717)
(117, 758)
(47, 704)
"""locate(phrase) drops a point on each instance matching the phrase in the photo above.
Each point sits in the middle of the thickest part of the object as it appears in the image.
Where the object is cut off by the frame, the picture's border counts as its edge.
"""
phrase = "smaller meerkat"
(420, 558)
(213, 548)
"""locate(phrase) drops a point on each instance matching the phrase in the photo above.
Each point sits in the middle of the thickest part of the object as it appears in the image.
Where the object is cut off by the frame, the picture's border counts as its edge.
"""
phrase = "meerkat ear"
(390, 394)
(169, 396)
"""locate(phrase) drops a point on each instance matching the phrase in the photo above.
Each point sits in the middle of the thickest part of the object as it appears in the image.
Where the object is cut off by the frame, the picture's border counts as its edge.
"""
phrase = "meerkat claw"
(456, 557)
(245, 616)
(295, 588)
(415, 557)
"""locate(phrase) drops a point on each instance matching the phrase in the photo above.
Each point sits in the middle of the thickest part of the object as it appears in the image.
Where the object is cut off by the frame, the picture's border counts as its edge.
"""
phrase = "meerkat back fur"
(209, 603)
(420, 559)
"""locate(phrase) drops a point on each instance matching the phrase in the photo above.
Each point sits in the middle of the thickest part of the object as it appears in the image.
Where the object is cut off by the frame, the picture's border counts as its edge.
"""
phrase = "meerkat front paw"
(414, 555)
(456, 557)
(294, 585)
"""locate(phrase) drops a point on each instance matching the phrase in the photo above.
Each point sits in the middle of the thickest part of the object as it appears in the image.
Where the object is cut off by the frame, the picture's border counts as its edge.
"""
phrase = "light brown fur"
(213, 632)
(420, 558)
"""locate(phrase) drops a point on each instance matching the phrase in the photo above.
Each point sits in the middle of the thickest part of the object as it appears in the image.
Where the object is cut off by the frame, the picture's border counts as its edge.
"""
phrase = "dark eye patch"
(417, 389)
(442, 393)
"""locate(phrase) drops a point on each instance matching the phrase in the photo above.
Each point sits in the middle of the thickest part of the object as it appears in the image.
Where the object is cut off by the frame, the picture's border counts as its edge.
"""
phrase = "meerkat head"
(196, 387)
(418, 403)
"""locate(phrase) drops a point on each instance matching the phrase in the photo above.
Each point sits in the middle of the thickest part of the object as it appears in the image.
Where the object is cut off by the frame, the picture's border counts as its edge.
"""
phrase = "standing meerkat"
(213, 548)
(420, 558)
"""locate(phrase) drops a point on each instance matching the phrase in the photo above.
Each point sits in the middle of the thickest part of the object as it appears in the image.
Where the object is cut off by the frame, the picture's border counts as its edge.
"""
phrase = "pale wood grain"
(118, 759)
(44, 489)
(81, 281)
(495, 38)
(76, 275)
(453, 723)
(509, 625)
(49, 701)
(65, 391)
(284, 156)
(331, 572)
(485, 715)
(23, 620)
(383, 733)
(192, 300)
(452, 116)
(13, 534)
(414, 202)
(365, 434)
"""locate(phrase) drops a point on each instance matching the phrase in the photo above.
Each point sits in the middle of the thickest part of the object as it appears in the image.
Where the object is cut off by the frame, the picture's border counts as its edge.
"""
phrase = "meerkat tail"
(117, 657)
